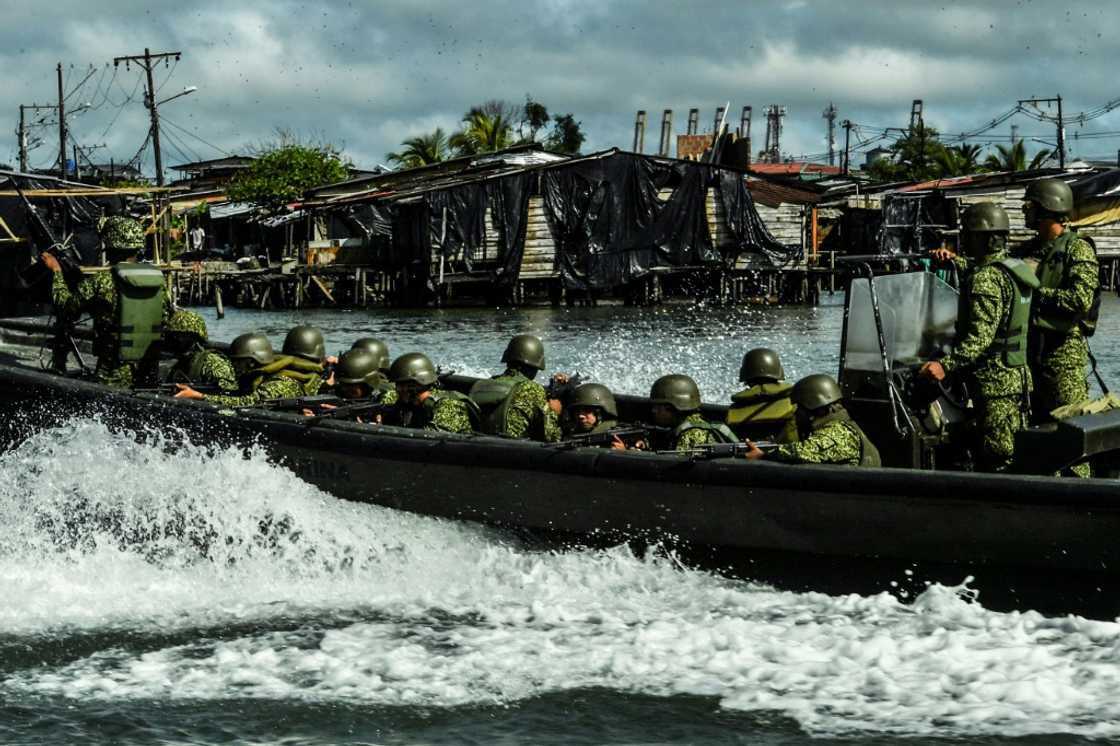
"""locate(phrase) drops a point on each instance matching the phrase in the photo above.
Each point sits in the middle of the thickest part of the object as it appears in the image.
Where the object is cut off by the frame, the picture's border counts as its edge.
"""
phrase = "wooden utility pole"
(145, 60)
(847, 125)
(22, 141)
(1061, 141)
(61, 127)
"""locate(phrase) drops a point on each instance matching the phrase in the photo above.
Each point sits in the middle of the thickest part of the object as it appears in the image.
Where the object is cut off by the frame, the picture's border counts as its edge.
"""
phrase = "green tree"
(534, 118)
(914, 157)
(566, 135)
(1014, 158)
(959, 161)
(284, 170)
(422, 150)
(485, 130)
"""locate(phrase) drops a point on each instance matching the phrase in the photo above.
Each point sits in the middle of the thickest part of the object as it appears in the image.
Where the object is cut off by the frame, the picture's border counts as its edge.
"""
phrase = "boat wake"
(134, 572)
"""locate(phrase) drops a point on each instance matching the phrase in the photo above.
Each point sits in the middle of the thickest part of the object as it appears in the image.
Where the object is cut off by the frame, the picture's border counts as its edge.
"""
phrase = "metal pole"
(847, 145)
(61, 127)
(22, 141)
(1061, 136)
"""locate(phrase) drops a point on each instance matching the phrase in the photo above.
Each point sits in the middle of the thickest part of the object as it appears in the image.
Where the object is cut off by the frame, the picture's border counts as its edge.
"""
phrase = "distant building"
(875, 155)
(213, 173)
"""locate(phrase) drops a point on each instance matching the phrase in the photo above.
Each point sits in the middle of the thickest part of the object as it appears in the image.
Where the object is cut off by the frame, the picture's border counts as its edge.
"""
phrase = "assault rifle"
(563, 391)
(723, 450)
(358, 408)
(314, 402)
(629, 436)
(171, 387)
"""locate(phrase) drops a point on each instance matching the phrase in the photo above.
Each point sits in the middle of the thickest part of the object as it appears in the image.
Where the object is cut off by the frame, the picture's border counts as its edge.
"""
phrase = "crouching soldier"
(421, 404)
(592, 411)
(675, 404)
(829, 434)
(184, 335)
(260, 375)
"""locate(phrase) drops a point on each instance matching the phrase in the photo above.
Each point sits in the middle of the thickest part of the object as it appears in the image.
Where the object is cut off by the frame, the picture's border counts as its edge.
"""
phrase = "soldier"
(592, 409)
(184, 335)
(763, 411)
(128, 305)
(991, 339)
(512, 403)
(260, 375)
(675, 404)
(830, 435)
(358, 376)
(422, 404)
(309, 363)
(1066, 303)
(378, 348)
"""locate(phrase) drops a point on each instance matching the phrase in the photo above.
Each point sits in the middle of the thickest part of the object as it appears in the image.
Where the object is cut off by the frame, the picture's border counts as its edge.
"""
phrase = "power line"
(185, 131)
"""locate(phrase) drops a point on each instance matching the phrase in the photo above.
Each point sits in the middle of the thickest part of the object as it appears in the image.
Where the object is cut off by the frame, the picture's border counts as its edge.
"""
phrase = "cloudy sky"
(368, 74)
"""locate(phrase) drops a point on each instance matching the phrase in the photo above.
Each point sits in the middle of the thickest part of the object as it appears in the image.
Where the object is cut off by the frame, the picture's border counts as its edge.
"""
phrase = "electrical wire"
(187, 132)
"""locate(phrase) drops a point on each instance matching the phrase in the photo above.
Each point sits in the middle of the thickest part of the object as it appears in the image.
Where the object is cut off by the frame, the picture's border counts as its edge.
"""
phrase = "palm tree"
(959, 161)
(422, 150)
(483, 132)
(1014, 158)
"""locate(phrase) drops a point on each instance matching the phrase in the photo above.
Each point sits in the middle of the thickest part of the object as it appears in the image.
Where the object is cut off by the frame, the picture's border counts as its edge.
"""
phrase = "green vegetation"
(422, 150)
(284, 170)
(919, 156)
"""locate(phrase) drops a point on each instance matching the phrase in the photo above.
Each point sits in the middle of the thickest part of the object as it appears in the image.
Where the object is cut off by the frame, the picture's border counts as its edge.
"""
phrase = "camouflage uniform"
(97, 296)
(442, 411)
(529, 413)
(121, 233)
(273, 387)
(988, 295)
(834, 439)
(701, 435)
(1070, 279)
(198, 365)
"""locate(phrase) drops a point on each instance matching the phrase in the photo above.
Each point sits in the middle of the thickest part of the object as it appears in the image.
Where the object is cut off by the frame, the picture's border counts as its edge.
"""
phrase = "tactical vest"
(1011, 338)
(763, 411)
(426, 413)
(868, 453)
(721, 431)
(493, 397)
(139, 309)
(1052, 272)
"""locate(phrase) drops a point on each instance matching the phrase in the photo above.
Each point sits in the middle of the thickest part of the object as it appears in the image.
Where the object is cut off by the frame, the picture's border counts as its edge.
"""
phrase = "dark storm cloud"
(370, 74)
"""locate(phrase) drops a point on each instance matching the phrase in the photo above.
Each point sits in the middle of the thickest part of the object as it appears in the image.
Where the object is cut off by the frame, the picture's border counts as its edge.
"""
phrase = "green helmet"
(761, 365)
(252, 346)
(678, 391)
(985, 217)
(357, 366)
(815, 392)
(1052, 195)
(413, 367)
(526, 350)
(186, 322)
(594, 395)
(306, 342)
(379, 349)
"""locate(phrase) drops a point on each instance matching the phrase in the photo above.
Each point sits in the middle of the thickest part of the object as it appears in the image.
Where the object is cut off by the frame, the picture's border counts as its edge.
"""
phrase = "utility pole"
(1061, 124)
(22, 141)
(830, 115)
(146, 61)
(61, 127)
(639, 132)
(847, 125)
(666, 133)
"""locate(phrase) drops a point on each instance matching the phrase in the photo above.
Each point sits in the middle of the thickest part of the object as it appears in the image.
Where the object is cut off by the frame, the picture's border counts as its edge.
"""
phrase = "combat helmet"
(677, 391)
(1052, 195)
(985, 217)
(413, 367)
(357, 366)
(306, 342)
(594, 395)
(186, 322)
(761, 365)
(253, 347)
(375, 346)
(525, 349)
(815, 392)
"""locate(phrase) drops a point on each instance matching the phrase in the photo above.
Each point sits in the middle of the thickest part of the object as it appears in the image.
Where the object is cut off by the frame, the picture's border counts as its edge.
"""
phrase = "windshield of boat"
(919, 311)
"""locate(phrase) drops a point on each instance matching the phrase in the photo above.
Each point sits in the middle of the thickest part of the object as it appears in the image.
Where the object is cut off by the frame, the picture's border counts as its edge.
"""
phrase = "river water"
(346, 623)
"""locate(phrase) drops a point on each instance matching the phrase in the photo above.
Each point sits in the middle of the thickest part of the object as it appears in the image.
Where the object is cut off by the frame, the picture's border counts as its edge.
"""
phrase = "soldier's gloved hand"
(186, 392)
(754, 453)
(932, 370)
(50, 261)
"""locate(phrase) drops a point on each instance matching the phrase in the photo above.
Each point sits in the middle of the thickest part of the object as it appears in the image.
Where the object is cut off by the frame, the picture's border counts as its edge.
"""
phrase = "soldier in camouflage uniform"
(421, 404)
(512, 403)
(831, 436)
(991, 340)
(185, 335)
(99, 296)
(675, 404)
(763, 411)
(1066, 304)
(260, 375)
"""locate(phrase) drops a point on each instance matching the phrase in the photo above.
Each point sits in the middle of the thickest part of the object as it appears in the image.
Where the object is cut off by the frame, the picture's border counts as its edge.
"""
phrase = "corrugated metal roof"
(773, 194)
(793, 168)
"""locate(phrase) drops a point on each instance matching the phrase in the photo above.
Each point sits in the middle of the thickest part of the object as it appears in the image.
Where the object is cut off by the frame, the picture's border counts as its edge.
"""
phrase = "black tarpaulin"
(458, 225)
(744, 224)
(509, 212)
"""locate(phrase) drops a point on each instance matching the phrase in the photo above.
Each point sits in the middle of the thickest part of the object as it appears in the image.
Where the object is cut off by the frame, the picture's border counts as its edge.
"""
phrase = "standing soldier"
(512, 403)
(184, 335)
(128, 305)
(991, 341)
(831, 436)
(763, 411)
(1066, 303)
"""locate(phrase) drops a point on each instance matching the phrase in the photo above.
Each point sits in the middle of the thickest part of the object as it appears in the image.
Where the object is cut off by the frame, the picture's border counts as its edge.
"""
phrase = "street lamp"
(189, 89)
(153, 108)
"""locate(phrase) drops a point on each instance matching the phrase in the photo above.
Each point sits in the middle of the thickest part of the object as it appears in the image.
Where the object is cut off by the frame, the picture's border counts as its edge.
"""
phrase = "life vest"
(1052, 271)
(868, 453)
(1010, 340)
(139, 312)
(764, 411)
(426, 413)
(721, 431)
(493, 397)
